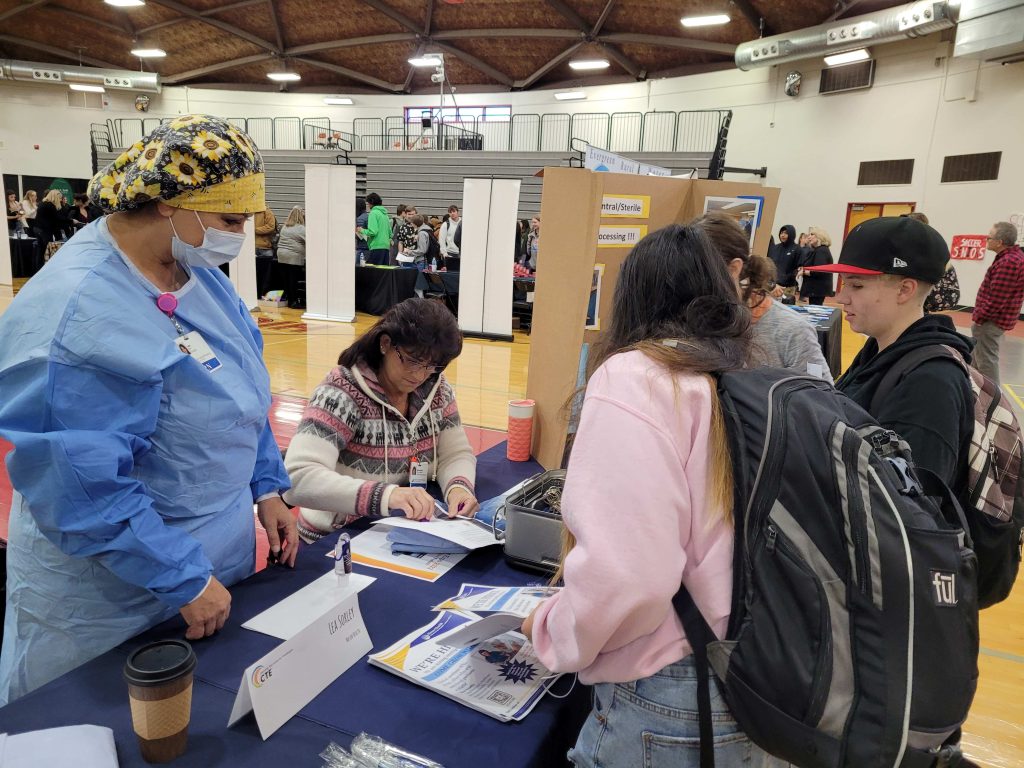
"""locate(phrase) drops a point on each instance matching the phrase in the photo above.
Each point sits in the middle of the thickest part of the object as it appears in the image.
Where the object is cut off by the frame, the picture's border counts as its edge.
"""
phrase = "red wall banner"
(971, 247)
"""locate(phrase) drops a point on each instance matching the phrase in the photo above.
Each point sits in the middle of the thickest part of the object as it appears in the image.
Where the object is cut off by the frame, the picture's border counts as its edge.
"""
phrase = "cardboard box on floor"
(571, 221)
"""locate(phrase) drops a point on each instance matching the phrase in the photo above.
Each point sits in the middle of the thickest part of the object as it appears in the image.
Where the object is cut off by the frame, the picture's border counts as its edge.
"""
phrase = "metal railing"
(685, 131)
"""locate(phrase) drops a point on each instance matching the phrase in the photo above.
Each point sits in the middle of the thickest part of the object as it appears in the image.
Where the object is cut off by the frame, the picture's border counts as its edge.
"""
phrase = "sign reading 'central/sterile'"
(626, 206)
(620, 237)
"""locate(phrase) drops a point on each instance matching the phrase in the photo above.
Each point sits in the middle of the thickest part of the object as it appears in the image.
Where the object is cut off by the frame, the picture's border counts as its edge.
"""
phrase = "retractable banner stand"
(6, 273)
(487, 256)
(330, 243)
(242, 271)
(578, 267)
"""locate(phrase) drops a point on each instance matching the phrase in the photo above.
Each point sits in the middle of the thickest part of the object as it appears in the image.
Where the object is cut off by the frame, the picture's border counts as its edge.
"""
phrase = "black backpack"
(433, 248)
(853, 636)
(993, 500)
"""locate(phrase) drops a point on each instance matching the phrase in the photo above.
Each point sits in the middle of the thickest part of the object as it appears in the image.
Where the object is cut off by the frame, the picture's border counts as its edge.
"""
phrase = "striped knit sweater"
(352, 448)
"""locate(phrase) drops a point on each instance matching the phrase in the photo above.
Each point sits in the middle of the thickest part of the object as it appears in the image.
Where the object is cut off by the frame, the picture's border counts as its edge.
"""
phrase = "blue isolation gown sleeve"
(78, 431)
(269, 474)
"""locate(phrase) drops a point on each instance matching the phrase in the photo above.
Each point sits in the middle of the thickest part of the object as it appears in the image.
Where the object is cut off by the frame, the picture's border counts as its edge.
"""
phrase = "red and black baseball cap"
(892, 245)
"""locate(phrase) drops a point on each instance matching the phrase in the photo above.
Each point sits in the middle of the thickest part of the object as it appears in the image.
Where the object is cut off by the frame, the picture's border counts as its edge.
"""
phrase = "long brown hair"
(758, 275)
(676, 302)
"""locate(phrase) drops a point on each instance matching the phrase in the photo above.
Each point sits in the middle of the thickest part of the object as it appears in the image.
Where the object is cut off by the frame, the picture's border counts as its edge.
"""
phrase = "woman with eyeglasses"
(386, 406)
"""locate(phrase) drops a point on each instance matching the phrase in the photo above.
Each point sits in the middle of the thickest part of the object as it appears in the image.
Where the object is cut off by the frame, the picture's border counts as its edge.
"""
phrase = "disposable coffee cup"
(159, 677)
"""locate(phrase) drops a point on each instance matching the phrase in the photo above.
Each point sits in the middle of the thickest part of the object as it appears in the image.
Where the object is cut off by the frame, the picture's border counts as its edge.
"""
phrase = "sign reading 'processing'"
(620, 237)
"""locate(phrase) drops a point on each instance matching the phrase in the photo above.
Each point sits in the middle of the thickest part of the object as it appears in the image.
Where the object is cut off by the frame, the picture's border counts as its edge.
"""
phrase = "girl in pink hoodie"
(647, 502)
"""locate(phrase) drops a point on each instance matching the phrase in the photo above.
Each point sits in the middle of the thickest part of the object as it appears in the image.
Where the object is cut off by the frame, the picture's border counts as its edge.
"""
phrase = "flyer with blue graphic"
(500, 676)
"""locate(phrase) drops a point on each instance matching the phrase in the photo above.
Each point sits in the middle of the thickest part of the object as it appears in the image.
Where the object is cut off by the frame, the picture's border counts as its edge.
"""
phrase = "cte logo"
(944, 584)
(260, 675)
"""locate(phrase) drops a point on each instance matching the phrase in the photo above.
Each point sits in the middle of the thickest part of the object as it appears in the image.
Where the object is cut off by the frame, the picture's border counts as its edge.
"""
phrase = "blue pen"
(343, 559)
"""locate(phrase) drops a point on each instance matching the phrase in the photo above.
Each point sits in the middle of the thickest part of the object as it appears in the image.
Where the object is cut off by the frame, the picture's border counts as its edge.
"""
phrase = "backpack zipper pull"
(771, 535)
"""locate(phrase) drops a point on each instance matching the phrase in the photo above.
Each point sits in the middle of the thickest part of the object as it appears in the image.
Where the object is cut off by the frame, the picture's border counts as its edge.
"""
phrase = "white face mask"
(219, 247)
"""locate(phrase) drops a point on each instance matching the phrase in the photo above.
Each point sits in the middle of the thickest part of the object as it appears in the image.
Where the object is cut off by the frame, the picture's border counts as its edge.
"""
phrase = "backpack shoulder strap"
(908, 363)
(699, 634)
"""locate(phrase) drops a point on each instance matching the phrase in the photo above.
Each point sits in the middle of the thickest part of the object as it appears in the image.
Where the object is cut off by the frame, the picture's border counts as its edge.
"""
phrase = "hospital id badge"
(418, 472)
(193, 344)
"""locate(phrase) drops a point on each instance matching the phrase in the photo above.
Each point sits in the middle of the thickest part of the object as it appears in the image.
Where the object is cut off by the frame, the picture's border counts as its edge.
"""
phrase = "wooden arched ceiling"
(364, 45)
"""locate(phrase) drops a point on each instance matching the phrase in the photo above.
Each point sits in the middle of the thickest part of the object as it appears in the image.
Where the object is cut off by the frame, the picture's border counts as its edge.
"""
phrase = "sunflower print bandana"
(195, 162)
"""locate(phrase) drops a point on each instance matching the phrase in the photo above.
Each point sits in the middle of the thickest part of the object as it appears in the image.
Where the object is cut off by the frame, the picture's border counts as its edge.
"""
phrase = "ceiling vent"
(887, 26)
(112, 79)
(991, 30)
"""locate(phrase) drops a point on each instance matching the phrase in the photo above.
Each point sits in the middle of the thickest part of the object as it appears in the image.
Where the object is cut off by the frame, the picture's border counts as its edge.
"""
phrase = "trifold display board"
(330, 243)
(242, 270)
(487, 257)
(589, 223)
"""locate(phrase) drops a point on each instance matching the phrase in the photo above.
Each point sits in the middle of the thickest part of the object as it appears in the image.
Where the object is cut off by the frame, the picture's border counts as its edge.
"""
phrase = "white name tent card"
(277, 686)
(288, 617)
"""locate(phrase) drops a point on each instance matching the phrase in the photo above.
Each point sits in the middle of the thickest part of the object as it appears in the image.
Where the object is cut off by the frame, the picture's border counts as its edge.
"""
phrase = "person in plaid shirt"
(1000, 298)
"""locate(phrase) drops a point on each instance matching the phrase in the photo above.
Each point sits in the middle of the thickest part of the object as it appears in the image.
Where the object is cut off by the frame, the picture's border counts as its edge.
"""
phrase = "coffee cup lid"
(159, 663)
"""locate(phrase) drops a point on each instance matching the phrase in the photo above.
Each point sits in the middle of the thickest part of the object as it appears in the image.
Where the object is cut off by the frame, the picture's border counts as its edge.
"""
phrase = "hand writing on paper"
(462, 503)
(208, 612)
(415, 502)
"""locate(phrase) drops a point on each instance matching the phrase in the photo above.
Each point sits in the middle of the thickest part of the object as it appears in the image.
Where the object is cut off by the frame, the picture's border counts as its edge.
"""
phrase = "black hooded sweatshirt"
(932, 408)
(786, 256)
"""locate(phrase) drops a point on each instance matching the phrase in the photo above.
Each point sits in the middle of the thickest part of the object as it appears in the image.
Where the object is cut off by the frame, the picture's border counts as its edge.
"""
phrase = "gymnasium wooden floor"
(488, 374)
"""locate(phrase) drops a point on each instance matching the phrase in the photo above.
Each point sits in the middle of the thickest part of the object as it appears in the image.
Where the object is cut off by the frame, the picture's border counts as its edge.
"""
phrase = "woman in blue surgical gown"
(133, 388)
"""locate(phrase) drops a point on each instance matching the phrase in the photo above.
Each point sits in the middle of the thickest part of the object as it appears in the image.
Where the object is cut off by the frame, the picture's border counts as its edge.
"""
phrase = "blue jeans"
(652, 723)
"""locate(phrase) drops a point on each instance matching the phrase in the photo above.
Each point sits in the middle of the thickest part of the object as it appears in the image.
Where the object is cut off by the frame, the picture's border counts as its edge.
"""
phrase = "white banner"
(242, 271)
(330, 243)
(488, 256)
(601, 160)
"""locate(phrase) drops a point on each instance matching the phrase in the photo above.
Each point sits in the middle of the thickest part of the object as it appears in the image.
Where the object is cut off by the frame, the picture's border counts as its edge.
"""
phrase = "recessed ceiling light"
(705, 21)
(425, 61)
(149, 53)
(125, 3)
(336, 100)
(861, 54)
(570, 95)
(284, 77)
(87, 88)
(589, 64)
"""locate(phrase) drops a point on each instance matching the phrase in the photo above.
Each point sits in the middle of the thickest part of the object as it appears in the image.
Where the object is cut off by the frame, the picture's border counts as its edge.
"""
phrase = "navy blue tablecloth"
(365, 698)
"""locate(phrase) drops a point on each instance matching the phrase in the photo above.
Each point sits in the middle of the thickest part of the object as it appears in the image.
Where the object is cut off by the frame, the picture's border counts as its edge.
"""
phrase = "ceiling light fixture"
(125, 3)
(570, 95)
(589, 64)
(705, 21)
(861, 54)
(426, 61)
(86, 88)
(284, 77)
(149, 53)
(336, 100)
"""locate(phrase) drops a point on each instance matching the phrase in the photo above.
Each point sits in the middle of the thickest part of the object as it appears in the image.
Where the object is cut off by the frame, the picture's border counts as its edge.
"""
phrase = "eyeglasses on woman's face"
(420, 366)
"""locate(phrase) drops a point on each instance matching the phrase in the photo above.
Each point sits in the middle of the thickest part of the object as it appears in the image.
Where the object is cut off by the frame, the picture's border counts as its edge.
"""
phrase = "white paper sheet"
(84, 746)
(372, 548)
(297, 611)
(484, 629)
(463, 532)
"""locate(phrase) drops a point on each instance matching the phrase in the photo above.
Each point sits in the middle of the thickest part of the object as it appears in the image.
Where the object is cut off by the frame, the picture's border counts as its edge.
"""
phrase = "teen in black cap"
(889, 266)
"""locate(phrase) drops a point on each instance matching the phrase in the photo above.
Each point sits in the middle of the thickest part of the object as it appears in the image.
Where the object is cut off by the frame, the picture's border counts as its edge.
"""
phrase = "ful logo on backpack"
(944, 583)
(848, 561)
(993, 499)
